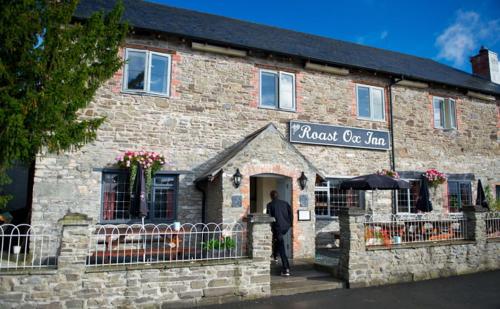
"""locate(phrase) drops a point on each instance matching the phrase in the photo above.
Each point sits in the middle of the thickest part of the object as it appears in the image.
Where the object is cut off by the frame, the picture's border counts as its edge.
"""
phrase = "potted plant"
(434, 177)
(150, 161)
(386, 172)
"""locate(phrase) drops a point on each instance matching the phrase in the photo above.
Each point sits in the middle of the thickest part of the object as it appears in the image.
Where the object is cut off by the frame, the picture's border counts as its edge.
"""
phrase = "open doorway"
(260, 188)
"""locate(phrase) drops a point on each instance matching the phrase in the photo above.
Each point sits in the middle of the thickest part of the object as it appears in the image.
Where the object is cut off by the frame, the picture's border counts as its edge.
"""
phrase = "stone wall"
(361, 266)
(214, 103)
(74, 285)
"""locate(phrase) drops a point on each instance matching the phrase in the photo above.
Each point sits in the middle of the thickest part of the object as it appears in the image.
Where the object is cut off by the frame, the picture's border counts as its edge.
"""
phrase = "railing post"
(475, 223)
(74, 242)
(259, 236)
(352, 266)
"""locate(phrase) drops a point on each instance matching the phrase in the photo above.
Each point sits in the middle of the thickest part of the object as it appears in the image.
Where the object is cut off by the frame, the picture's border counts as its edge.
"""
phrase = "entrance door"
(284, 188)
(260, 188)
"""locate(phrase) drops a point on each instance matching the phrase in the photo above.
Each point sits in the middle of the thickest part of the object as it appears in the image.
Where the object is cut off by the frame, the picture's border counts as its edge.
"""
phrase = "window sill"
(370, 119)
(277, 109)
(146, 94)
(327, 218)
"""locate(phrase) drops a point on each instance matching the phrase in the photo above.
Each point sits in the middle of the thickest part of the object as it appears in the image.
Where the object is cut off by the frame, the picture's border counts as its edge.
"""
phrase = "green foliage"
(50, 68)
(492, 202)
(216, 244)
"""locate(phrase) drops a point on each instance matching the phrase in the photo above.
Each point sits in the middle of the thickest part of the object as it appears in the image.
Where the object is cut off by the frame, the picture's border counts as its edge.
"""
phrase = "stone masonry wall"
(73, 285)
(361, 266)
(214, 104)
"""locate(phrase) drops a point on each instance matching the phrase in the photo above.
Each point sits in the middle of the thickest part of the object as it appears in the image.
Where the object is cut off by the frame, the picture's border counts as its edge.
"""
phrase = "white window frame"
(371, 103)
(362, 201)
(408, 205)
(278, 90)
(445, 117)
(147, 72)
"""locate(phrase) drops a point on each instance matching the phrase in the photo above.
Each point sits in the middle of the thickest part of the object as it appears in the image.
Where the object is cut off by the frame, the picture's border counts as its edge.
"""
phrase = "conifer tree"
(50, 67)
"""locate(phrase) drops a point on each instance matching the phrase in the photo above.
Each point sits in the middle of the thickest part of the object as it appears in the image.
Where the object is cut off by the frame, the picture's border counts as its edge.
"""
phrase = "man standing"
(282, 214)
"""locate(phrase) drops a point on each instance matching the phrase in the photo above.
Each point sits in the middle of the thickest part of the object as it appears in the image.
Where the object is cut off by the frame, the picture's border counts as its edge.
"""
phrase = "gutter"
(393, 154)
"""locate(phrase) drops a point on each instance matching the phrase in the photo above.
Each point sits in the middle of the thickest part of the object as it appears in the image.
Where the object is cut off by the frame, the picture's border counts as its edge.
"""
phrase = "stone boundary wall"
(361, 266)
(73, 285)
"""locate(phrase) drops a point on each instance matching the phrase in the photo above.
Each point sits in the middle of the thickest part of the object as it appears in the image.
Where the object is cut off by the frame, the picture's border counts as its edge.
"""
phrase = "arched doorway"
(260, 187)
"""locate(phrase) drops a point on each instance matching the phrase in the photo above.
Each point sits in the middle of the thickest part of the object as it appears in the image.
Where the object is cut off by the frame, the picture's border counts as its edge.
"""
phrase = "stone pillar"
(476, 226)
(74, 243)
(259, 236)
(353, 264)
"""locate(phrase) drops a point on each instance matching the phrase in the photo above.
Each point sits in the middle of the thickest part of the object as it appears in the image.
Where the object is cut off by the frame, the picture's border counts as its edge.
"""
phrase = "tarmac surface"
(481, 290)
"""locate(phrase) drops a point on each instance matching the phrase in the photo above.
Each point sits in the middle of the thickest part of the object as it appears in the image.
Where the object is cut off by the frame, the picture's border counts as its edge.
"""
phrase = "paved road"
(480, 290)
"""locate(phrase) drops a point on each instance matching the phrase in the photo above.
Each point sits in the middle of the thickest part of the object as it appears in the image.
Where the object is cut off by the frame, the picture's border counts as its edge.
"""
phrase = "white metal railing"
(492, 221)
(165, 243)
(392, 230)
(25, 246)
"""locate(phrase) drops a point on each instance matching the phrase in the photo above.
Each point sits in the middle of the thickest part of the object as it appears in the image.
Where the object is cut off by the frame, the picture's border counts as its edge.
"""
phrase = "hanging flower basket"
(150, 161)
(389, 173)
(434, 177)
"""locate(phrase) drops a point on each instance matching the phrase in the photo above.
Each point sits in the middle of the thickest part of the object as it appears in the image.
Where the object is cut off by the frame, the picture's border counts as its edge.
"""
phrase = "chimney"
(485, 64)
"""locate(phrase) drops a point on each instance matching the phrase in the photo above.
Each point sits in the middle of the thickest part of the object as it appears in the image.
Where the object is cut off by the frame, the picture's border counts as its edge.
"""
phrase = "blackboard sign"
(328, 135)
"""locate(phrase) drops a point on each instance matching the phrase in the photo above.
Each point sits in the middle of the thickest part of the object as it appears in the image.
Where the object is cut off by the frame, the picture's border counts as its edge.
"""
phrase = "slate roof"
(217, 165)
(225, 31)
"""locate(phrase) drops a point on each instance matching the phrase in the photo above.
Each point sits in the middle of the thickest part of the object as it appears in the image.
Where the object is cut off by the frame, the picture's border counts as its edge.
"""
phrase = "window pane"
(453, 196)
(135, 70)
(378, 104)
(465, 194)
(115, 197)
(407, 198)
(164, 200)
(269, 83)
(363, 101)
(159, 74)
(452, 114)
(438, 103)
(286, 91)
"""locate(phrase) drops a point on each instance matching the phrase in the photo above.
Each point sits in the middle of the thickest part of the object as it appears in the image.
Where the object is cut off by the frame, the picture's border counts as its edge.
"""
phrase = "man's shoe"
(285, 273)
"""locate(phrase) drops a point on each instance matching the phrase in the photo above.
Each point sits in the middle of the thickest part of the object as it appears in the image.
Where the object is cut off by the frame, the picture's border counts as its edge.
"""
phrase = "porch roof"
(218, 164)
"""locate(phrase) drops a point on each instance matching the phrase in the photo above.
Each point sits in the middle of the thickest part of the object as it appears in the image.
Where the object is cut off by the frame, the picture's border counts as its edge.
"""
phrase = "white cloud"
(384, 34)
(464, 37)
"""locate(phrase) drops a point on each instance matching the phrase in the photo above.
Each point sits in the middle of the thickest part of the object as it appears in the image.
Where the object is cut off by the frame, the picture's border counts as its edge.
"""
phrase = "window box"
(277, 90)
(370, 102)
(146, 72)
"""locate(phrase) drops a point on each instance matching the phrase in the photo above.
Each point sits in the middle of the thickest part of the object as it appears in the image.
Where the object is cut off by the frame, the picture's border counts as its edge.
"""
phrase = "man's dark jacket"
(282, 213)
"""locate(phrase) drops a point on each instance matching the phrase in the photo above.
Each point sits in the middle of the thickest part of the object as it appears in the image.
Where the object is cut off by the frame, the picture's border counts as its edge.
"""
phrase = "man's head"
(274, 195)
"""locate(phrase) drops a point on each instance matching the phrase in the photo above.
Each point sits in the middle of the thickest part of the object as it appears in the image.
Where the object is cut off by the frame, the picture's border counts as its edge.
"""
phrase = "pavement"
(481, 290)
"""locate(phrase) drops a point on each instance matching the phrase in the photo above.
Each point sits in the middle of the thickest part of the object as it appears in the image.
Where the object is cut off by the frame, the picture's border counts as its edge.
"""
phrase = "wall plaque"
(236, 201)
(328, 135)
(304, 200)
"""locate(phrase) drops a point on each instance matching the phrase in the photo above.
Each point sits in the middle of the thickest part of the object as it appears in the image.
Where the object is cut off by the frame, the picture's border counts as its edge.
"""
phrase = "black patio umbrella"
(424, 203)
(481, 197)
(374, 182)
(138, 204)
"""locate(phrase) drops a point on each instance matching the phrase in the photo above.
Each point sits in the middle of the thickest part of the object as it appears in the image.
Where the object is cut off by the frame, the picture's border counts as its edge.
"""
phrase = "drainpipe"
(203, 203)
(393, 157)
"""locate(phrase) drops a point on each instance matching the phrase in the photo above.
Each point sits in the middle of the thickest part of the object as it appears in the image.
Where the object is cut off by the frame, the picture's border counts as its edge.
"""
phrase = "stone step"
(299, 275)
(305, 285)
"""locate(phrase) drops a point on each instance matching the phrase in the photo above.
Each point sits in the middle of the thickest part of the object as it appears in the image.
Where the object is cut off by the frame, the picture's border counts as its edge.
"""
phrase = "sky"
(448, 31)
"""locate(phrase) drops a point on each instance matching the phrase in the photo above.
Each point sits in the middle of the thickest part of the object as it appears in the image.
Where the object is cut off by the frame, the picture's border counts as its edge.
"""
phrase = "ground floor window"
(162, 200)
(329, 198)
(406, 199)
(459, 195)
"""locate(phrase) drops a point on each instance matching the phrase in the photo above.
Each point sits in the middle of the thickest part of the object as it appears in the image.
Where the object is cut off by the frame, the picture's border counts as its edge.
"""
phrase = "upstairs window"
(444, 113)
(370, 102)
(459, 195)
(277, 90)
(147, 72)
(115, 208)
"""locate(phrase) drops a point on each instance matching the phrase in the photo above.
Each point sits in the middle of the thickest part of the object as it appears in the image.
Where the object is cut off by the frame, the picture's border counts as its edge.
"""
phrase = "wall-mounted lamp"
(302, 181)
(237, 178)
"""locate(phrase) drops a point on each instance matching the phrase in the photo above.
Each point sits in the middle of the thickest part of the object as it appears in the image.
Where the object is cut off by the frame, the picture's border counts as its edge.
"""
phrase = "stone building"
(217, 96)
